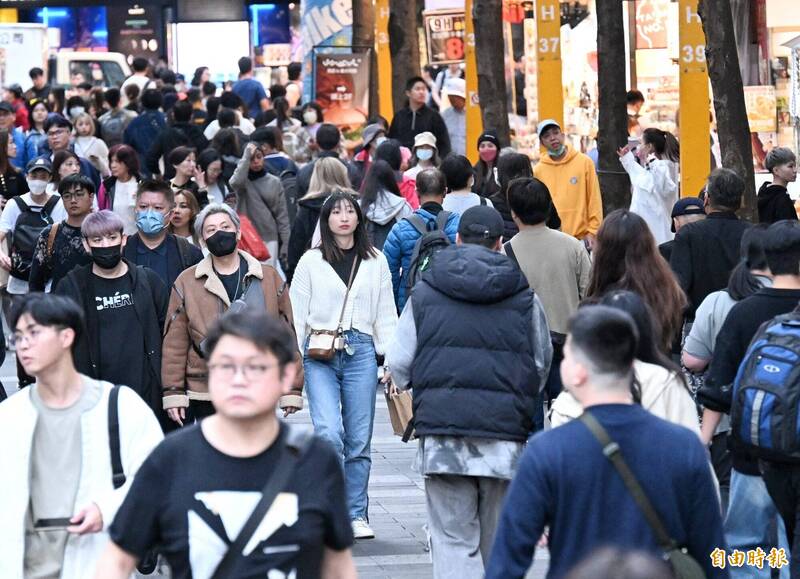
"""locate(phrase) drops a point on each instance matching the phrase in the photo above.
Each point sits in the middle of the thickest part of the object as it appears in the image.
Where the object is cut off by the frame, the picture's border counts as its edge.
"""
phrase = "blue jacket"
(400, 245)
(142, 132)
(19, 140)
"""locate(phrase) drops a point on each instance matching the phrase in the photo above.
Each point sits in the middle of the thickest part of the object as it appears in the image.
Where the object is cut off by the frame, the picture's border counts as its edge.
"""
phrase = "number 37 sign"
(445, 34)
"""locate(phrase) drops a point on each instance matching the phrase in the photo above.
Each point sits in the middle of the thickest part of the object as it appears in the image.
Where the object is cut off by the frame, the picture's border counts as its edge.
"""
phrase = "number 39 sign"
(445, 35)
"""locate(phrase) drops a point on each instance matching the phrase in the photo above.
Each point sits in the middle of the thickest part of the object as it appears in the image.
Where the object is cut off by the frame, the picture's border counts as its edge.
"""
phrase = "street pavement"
(396, 509)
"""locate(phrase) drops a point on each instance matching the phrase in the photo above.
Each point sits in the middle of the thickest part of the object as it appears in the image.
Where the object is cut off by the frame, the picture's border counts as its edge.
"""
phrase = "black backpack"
(29, 225)
(289, 182)
(431, 242)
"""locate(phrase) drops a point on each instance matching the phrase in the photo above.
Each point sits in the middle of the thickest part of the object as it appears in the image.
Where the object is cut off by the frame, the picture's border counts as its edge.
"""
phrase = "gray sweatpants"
(462, 518)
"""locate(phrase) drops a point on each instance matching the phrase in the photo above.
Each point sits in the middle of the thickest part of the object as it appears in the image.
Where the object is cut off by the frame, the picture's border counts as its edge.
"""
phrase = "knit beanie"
(490, 136)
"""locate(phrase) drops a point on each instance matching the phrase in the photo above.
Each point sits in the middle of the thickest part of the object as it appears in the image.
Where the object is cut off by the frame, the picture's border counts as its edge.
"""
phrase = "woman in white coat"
(654, 182)
(659, 385)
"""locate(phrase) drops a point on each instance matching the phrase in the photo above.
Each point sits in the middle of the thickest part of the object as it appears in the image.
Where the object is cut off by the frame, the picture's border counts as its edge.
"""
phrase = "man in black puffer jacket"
(474, 345)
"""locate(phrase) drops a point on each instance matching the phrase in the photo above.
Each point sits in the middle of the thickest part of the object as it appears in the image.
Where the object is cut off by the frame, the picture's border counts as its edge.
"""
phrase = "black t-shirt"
(192, 500)
(234, 282)
(345, 265)
(121, 340)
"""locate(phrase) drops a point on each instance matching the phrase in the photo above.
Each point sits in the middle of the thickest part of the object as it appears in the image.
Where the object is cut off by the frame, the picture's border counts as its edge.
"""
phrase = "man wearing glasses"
(59, 493)
(60, 246)
(58, 131)
(239, 490)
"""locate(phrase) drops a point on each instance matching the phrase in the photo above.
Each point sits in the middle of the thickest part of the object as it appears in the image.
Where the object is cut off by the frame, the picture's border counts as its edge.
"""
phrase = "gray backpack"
(431, 242)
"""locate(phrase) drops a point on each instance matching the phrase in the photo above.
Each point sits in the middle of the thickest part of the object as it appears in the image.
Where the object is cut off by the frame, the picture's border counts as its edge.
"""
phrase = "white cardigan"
(139, 435)
(663, 394)
(317, 293)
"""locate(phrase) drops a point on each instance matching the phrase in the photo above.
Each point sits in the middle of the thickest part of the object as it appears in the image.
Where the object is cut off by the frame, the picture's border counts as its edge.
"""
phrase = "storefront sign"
(651, 23)
(135, 31)
(326, 23)
(762, 108)
(445, 34)
(548, 51)
(694, 100)
(385, 104)
(342, 87)
(473, 105)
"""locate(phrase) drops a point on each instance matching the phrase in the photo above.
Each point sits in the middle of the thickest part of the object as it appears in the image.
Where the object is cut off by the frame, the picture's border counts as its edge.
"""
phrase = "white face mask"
(310, 117)
(75, 111)
(37, 186)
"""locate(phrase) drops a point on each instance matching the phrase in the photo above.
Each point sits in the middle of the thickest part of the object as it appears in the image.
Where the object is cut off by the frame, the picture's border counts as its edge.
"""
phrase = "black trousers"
(783, 485)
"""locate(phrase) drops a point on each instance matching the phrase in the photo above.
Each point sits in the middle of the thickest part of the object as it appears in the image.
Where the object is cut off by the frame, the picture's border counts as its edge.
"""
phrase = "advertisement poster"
(342, 87)
(445, 36)
(136, 31)
(324, 24)
(762, 107)
(651, 23)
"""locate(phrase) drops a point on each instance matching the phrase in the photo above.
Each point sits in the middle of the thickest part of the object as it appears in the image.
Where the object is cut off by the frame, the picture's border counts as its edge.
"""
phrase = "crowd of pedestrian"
(185, 263)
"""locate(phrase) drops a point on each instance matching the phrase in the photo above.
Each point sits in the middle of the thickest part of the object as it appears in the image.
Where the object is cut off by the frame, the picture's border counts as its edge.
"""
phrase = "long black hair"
(331, 252)
(281, 107)
(742, 282)
(380, 177)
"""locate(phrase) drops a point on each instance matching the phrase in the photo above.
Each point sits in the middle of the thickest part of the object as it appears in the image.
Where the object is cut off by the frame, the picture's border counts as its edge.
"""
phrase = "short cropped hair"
(328, 137)
(607, 337)
(56, 120)
(112, 97)
(211, 209)
(634, 96)
(245, 65)
(777, 157)
(156, 186)
(457, 171)
(77, 181)
(266, 333)
(530, 200)
(140, 64)
(101, 223)
(49, 310)
(414, 80)
(35, 73)
(182, 111)
(431, 183)
(782, 247)
(152, 99)
(725, 189)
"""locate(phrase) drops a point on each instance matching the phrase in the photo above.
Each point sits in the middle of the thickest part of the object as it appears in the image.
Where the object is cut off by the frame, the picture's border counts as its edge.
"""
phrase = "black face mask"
(221, 243)
(107, 257)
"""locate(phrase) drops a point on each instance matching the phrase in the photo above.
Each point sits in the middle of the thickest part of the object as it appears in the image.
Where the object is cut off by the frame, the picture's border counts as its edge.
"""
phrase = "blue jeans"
(341, 399)
(751, 514)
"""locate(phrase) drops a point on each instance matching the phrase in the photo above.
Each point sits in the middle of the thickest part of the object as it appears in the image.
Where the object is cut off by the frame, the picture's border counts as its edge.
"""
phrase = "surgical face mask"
(150, 222)
(221, 243)
(378, 141)
(107, 257)
(556, 153)
(75, 111)
(424, 154)
(310, 117)
(37, 186)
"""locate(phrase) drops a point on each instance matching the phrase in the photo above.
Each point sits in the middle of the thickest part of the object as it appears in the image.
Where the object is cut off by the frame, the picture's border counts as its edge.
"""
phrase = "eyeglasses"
(31, 337)
(250, 371)
(57, 132)
(74, 195)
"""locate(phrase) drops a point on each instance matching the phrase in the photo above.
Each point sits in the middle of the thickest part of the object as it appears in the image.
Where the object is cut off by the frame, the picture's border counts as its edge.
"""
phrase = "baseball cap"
(39, 163)
(371, 131)
(687, 206)
(425, 138)
(4, 106)
(546, 124)
(456, 87)
(481, 221)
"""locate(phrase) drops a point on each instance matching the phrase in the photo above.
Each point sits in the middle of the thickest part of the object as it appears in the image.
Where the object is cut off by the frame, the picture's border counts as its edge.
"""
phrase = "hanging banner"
(325, 25)
(445, 34)
(342, 88)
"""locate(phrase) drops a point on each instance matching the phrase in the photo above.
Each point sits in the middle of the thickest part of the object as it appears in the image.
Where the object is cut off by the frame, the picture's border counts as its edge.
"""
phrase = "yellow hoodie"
(573, 185)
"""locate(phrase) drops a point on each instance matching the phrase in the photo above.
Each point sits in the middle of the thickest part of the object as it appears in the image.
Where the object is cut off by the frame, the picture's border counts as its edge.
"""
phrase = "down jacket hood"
(475, 274)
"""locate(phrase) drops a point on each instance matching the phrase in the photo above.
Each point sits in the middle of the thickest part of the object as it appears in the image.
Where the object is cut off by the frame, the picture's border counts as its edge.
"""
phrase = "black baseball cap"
(687, 206)
(481, 221)
(4, 106)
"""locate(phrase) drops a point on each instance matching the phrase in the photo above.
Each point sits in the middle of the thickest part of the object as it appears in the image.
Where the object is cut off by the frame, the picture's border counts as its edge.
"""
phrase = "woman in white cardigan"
(659, 385)
(341, 390)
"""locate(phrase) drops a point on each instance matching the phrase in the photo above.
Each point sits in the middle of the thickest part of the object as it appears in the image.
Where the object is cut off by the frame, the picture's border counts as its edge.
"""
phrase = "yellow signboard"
(473, 108)
(549, 87)
(385, 105)
(695, 123)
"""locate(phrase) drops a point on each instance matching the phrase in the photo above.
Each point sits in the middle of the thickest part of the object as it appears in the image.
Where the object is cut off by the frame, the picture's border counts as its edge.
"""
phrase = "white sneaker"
(361, 529)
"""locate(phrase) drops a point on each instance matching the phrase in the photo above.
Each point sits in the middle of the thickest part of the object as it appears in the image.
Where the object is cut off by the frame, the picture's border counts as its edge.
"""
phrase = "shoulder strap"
(51, 203)
(184, 251)
(118, 474)
(418, 223)
(293, 448)
(483, 201)
(510, 252)
(442, 219)
(347, 293)
(612, 452)
(51, 238)
(21, 204)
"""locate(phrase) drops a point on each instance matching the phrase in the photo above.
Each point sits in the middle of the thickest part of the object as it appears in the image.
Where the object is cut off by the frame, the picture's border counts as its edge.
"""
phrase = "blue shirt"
(251, 92)
(156, 259)
(565, 482)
